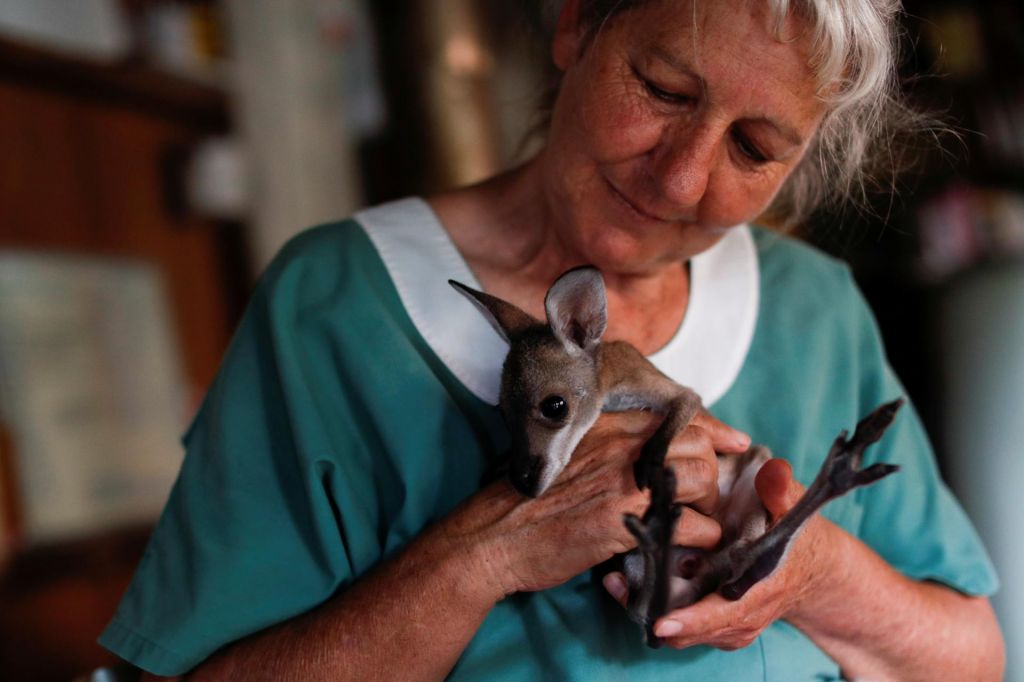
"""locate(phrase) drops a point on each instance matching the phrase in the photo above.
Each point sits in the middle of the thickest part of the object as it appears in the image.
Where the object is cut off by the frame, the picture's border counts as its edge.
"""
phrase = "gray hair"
(854, 53)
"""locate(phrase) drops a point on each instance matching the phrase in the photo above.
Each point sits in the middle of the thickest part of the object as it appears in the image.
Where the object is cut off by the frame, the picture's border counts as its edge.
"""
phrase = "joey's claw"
(842, 466)
(874, 473)
(871, 427)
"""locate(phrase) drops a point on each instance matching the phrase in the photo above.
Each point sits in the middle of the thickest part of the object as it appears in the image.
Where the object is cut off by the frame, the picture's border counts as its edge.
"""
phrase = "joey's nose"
(525, 474)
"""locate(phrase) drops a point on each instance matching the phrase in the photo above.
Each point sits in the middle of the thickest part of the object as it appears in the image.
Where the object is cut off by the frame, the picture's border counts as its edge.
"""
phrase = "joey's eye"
(554, 407)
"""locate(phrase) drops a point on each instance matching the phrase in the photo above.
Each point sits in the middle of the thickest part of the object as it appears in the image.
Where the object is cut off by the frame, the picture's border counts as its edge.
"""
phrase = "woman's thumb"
(776, 487)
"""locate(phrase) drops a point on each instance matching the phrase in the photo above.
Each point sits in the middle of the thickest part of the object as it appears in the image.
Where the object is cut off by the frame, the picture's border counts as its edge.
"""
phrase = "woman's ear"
(568, 35)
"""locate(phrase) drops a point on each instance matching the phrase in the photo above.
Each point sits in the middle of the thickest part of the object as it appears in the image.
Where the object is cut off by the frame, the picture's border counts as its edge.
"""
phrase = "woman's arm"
(879, 625)
(416, 612)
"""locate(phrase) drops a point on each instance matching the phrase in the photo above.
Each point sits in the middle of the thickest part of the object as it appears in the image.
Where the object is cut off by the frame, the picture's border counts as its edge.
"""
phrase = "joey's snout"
(525, 474)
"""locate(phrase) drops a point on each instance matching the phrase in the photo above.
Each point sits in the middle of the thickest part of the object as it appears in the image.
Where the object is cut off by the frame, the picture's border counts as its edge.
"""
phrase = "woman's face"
(671, 125)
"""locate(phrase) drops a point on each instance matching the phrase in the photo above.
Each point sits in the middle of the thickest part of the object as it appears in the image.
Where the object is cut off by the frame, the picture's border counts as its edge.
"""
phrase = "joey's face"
(550, 400)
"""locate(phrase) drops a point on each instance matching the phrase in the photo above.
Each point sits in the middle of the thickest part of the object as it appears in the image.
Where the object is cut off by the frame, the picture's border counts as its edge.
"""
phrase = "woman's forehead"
(730, 46)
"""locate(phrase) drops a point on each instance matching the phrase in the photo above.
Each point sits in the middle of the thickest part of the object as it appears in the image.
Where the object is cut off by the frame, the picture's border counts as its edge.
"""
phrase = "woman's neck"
(504, 231)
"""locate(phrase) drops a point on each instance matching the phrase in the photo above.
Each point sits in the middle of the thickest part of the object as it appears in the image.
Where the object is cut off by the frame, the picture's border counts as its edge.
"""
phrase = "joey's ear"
(568, 39)
(507, 319)
(577, 308)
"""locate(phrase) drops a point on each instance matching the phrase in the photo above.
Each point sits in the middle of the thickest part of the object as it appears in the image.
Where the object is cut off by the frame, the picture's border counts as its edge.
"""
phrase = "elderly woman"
(334, 516)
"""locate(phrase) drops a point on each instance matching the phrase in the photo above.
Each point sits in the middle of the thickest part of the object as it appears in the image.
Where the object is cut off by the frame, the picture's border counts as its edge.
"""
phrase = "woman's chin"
(627, 252)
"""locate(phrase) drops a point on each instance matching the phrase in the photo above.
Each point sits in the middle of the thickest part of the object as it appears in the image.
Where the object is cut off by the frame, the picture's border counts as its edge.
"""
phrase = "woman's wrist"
(472, 558)
(824, 549)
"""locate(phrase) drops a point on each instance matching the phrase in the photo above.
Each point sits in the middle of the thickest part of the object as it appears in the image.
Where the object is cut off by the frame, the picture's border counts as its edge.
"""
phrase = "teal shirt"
(334, 433)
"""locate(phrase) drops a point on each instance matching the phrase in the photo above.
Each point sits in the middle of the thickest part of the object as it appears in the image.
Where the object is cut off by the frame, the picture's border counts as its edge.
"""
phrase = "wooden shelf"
(130, 84)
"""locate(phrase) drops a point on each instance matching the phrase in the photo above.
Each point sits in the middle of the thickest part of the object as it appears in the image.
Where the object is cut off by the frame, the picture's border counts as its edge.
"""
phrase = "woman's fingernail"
(615, 585)
(669, 628)
(742, 439)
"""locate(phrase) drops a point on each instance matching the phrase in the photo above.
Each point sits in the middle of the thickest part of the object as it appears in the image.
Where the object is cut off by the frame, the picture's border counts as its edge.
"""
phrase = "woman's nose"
(683, 164)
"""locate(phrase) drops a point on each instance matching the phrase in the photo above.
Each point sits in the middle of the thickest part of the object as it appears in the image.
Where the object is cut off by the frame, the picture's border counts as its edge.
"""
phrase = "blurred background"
(154, 154)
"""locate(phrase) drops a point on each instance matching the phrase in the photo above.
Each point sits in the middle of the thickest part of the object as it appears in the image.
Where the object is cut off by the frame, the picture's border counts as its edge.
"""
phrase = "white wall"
(983, 339)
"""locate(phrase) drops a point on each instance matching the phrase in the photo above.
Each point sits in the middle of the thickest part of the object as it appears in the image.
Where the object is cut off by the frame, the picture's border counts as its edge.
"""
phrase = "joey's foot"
(767, 558)
(840, 473)
(654, 531)
(842, 466)
(648, 599)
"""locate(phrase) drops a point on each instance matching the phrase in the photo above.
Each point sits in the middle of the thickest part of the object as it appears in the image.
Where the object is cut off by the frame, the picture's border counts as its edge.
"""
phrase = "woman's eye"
(665, 95)
(748, 149)
(554, 407)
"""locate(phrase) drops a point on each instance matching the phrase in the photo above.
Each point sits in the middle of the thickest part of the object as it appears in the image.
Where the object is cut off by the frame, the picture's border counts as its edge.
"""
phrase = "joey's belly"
(740, 512)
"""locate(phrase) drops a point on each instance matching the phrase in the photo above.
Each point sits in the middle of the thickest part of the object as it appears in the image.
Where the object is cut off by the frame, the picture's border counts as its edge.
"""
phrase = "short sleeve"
(253, 532)
(912, 519)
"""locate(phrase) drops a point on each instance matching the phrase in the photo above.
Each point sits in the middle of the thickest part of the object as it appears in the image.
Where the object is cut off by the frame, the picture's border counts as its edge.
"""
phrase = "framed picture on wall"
(92, 394)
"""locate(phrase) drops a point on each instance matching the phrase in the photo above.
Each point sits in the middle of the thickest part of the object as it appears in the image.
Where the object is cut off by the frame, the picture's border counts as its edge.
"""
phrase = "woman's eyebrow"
(789, 133)
(675, 62)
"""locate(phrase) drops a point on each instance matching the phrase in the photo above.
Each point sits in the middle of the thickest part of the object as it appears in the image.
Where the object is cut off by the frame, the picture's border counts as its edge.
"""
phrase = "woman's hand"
(730, 625)
(532, 544)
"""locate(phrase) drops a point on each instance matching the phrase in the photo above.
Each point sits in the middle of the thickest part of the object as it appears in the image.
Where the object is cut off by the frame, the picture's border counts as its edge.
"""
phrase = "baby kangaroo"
(558, 377)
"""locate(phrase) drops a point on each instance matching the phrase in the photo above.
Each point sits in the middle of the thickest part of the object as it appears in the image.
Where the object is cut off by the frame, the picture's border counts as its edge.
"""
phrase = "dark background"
(92, 163)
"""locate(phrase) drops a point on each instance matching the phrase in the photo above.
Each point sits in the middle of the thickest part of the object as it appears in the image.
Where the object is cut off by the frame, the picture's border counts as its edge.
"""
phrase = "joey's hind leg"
(680, 411)
(839, 474)
(649, 568)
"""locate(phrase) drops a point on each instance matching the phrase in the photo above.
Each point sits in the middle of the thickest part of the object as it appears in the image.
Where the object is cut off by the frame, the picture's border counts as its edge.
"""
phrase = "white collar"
(706, 353)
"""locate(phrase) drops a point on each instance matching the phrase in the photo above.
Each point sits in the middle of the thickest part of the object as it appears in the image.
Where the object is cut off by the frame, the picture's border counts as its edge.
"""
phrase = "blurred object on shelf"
(92, 392)
(463, 82)
(458, 81)
(522, 79)
(346, 27)
(954, 34)
(292, 118)
(217, 179)
(128, 85)
(92, 29)
(183, 38)
(971, 61)
(1000, 116)
(966, 226)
